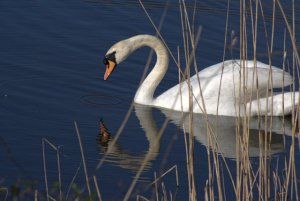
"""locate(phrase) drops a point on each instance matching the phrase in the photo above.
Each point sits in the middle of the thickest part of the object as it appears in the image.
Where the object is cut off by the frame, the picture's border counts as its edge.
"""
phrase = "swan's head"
(115, 55)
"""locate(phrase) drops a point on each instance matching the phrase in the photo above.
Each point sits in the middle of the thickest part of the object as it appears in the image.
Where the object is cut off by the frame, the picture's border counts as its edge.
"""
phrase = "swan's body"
(232, 94)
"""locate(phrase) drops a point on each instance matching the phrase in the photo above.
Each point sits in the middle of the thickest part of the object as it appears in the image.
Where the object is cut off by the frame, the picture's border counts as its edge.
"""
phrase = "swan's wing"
(228, 66)
(234, 75)
(238, 84)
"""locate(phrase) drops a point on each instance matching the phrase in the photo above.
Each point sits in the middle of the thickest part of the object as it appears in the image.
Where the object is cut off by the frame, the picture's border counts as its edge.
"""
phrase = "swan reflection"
(122, 157)
(224, 131)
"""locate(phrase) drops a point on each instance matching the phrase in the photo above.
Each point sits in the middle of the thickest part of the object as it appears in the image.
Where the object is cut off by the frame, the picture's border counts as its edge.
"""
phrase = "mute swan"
(232, 96)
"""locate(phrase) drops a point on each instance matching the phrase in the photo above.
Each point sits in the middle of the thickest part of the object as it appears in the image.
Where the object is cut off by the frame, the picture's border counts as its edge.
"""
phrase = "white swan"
(232, 95)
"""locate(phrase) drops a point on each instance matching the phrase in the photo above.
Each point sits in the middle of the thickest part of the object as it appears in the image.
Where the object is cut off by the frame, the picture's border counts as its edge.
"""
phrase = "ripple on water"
(101, 100)
(55, 100)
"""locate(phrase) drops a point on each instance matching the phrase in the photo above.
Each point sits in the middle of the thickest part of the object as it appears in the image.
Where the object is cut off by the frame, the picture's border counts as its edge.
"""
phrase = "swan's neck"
(144, 94)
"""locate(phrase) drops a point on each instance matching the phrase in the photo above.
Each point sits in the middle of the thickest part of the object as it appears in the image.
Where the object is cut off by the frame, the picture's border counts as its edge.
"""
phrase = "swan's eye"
(105, 61)
(111, 57)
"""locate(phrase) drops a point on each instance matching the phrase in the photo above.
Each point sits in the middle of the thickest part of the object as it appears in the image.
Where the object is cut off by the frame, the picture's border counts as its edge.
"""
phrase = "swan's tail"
(276, 105)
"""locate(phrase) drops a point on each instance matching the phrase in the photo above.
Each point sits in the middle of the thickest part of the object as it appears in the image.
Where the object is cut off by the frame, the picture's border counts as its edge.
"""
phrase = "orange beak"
(109, 68)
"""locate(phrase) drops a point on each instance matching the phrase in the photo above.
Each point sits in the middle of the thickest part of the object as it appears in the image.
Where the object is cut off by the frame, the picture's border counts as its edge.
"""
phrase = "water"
(52, 75)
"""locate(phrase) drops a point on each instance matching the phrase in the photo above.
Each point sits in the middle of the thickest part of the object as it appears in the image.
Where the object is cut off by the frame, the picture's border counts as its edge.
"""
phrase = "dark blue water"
(51, 74)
